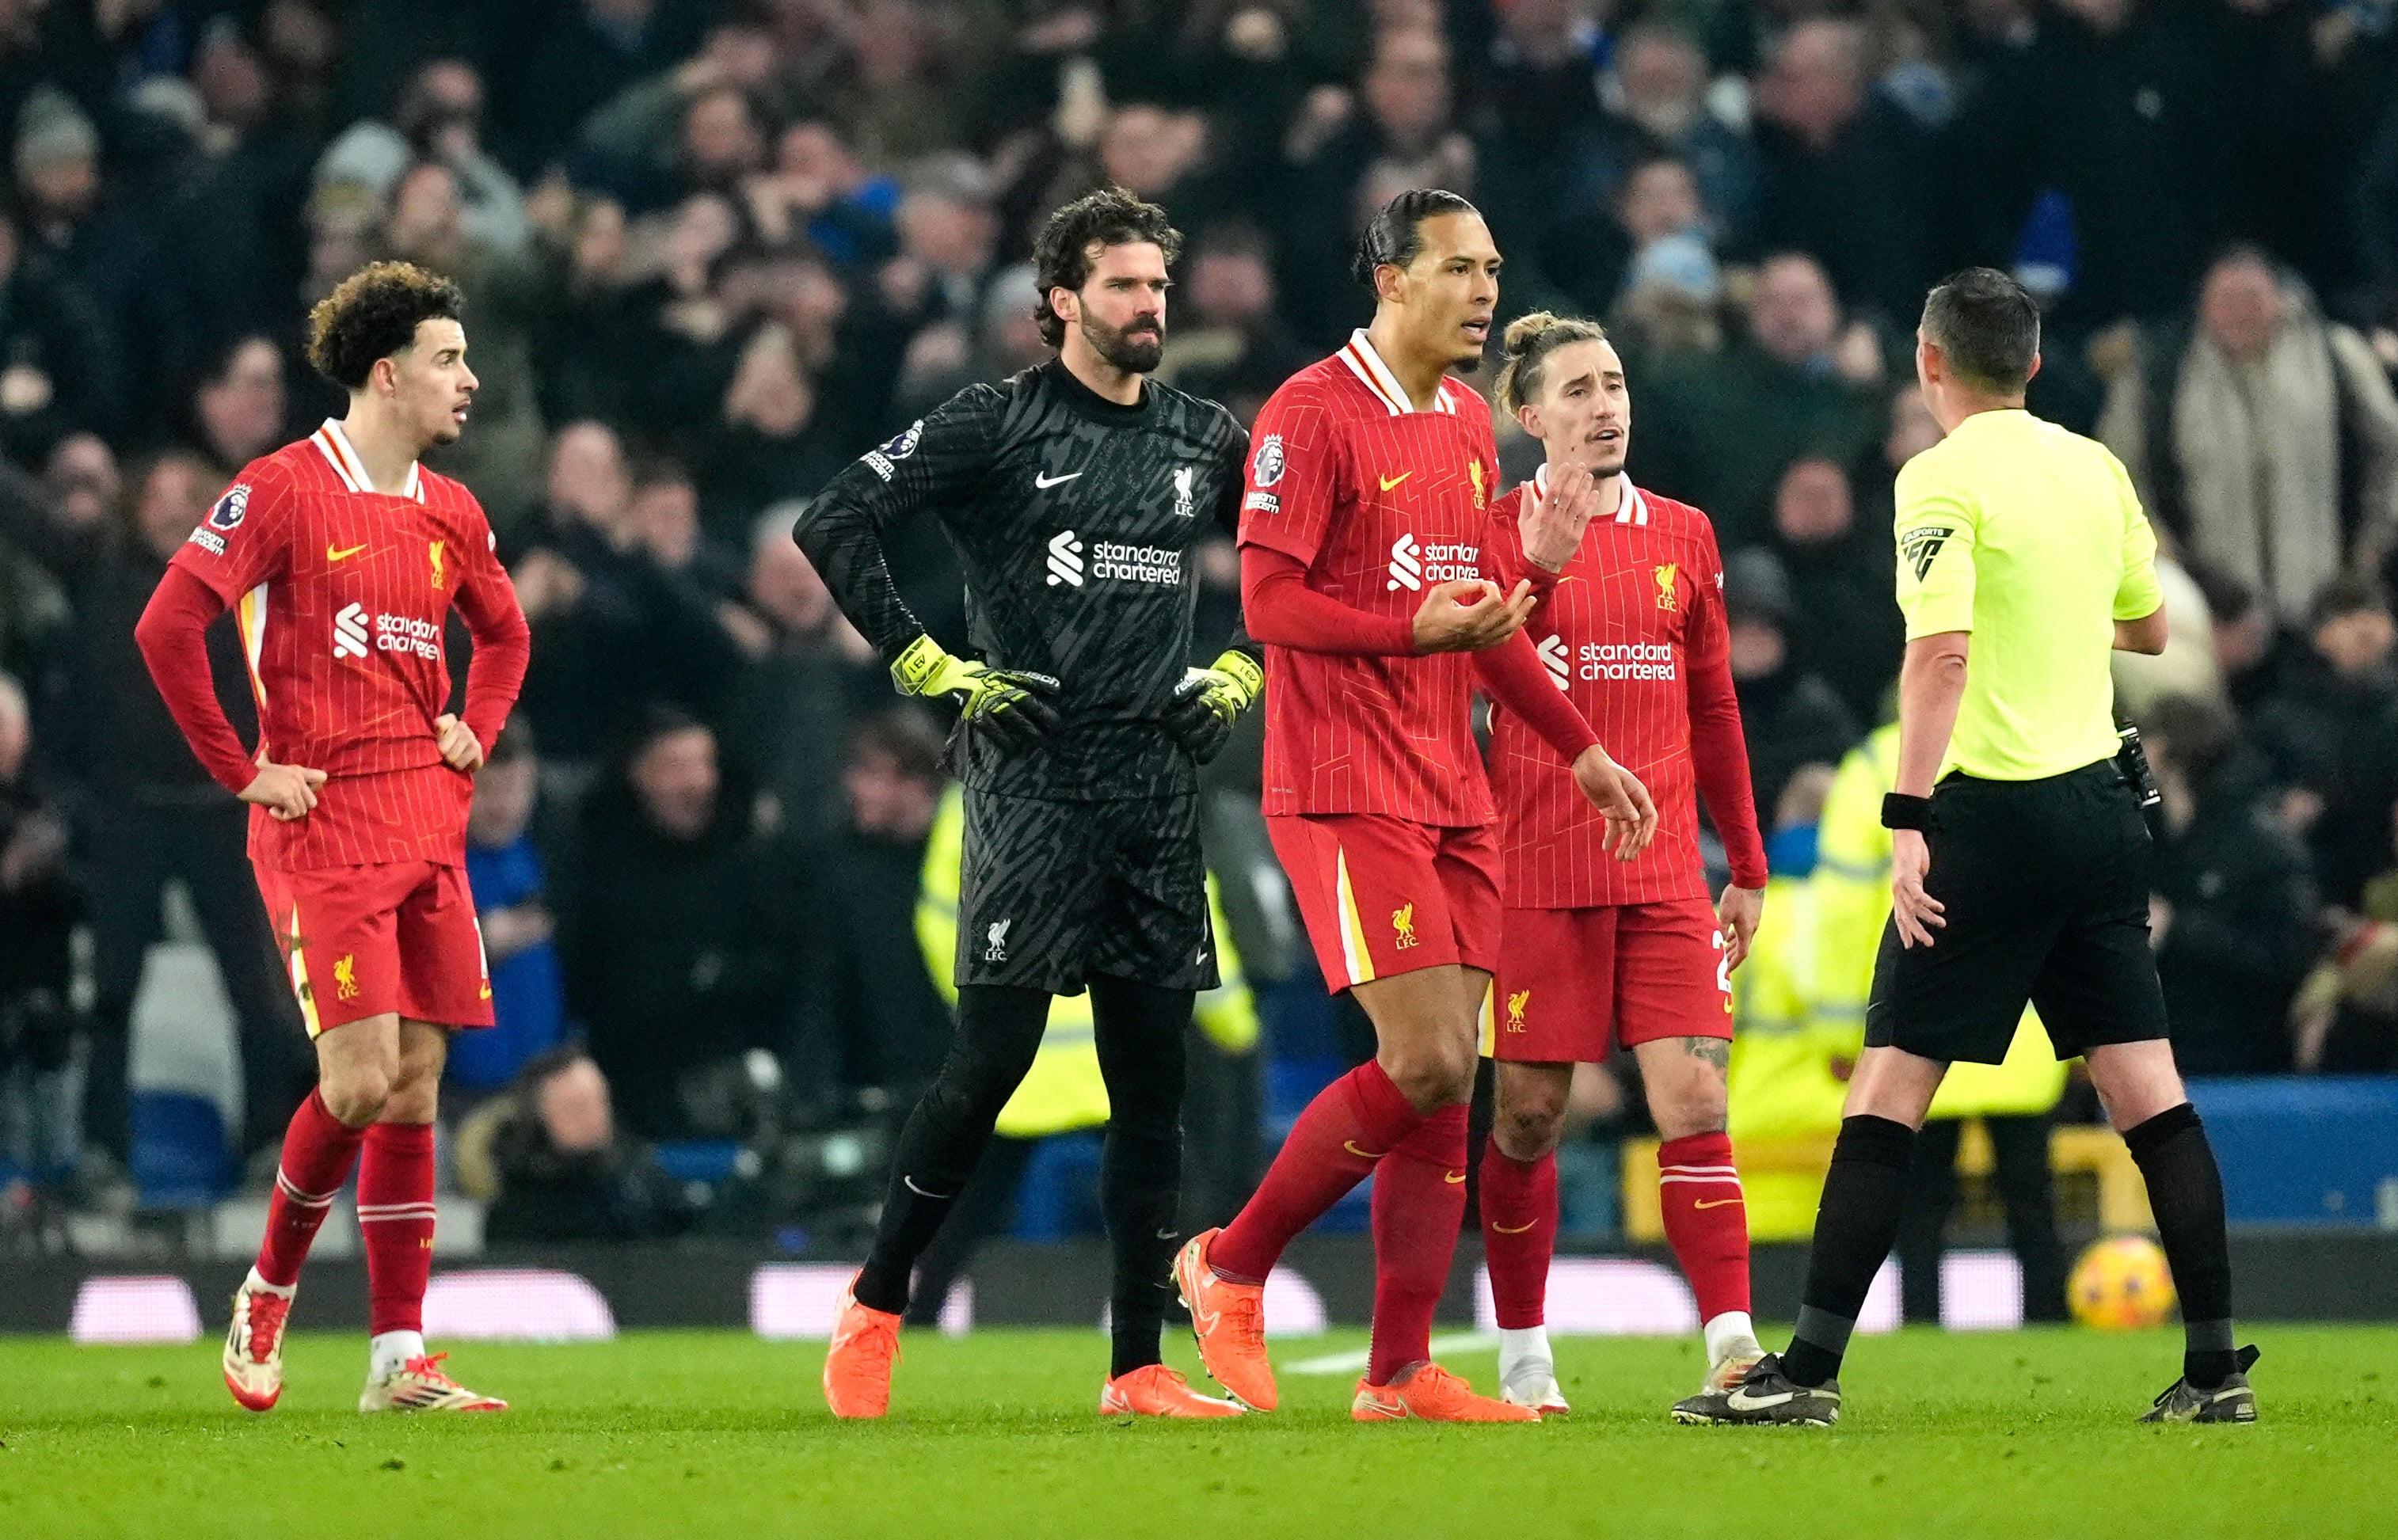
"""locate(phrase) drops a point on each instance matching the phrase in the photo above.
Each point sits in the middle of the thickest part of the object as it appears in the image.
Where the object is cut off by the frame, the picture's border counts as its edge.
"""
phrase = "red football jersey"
(1633, 632)
(1380, 502)
(341, 593)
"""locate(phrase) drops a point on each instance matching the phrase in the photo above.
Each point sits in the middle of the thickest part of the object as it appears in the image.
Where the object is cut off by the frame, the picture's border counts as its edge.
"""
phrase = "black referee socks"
(2185, 1192)
(1855, 1225)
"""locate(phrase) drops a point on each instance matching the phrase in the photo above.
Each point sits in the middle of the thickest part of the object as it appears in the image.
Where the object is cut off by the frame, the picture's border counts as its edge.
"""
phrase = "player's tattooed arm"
(1715, 1051)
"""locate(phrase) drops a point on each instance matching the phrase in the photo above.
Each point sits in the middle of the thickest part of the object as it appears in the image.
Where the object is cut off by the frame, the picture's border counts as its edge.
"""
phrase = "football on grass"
(2122, 1284)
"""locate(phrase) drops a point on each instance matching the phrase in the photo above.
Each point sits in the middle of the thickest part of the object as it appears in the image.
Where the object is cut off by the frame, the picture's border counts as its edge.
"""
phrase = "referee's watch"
(1902, 812)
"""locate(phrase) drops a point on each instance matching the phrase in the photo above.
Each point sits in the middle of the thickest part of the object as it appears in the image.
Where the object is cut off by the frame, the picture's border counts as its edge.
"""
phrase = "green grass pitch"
(2026, 1434)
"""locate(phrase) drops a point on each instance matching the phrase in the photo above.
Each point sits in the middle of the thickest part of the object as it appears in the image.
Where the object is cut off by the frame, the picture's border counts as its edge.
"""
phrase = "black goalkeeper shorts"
(1055, 892)
(2047, 888)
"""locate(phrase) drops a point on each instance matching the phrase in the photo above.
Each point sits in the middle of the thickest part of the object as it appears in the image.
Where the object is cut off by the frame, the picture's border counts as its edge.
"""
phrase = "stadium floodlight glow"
(126, 1310)
(516, 1304)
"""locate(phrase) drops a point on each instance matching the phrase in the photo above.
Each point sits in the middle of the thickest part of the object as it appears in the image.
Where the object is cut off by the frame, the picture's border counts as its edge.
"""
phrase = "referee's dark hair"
(1394, 235)
(1988, 327)
(1061, 254)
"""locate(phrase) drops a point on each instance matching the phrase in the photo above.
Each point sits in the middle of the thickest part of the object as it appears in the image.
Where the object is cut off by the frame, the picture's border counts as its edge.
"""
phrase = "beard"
(1135, 351)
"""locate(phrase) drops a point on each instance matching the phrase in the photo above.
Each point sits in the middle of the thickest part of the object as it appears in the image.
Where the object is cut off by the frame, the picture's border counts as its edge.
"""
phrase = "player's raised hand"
(1468, 614)
(1620, 798)
(461, 750)
(1738, 912)
(286, 791)
(1553, 529)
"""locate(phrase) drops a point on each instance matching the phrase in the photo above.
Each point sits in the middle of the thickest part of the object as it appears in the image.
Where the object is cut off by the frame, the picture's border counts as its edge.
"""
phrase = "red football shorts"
(1389, 895)
(359, 941)
(1574, 982)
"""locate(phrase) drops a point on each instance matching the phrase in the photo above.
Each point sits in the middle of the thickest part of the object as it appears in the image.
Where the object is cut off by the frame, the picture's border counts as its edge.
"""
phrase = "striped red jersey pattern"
(1633, 632)
(1381, 502)
(342, 593)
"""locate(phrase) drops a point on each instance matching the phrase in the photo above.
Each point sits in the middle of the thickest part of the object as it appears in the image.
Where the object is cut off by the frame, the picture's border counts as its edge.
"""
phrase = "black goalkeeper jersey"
(1074, 519)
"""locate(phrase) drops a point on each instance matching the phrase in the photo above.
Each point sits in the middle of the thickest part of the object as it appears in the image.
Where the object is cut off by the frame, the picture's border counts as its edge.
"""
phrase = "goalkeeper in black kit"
(1075, 493)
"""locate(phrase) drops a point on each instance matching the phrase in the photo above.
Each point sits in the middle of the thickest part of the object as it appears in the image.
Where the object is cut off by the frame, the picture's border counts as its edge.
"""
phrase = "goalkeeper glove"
(1011, 707)
(1209, 700)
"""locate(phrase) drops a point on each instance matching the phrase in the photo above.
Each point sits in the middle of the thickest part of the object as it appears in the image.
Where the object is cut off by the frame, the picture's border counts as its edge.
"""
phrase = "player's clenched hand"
(1211, 700)
(1468, 614)
(1916, 911)
(1620, 798)
(1738, 912)
(1009, 706)
(286, 791)
(1553, 529)
(461, 750)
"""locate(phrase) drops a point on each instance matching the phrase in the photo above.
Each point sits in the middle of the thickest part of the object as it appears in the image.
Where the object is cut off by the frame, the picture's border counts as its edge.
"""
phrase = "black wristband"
(1901, 811)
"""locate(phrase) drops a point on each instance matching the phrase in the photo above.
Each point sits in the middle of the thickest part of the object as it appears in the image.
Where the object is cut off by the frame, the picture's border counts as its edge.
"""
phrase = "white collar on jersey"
(1632, 509)
(335, 445)
(1376, 375)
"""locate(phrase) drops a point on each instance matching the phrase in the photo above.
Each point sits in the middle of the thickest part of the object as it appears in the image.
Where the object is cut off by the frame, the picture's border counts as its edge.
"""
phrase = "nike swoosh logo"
(1518, 1230)
(331, 554)
(1390, 481)
(1452, 1177)
(1351, 1146)
(1046, 481)
(1712, 1203)
(1741, 1401)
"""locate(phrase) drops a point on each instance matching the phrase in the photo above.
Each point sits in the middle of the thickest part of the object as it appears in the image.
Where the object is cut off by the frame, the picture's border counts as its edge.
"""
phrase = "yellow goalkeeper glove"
(1009, 705)
(1211, 700)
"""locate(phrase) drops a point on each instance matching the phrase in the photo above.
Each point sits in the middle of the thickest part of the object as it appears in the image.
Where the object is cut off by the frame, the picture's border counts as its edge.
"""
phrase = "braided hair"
(1394, 235)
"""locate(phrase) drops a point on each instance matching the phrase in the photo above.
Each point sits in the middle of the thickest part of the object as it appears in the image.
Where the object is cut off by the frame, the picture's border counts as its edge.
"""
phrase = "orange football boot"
(1230, 1322)
(1432, 1394)
(1157, 1391)
(857, 1364)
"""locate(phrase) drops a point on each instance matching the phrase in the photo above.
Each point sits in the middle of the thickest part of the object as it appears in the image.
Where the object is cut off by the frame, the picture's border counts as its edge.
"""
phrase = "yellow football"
(2122, 1284)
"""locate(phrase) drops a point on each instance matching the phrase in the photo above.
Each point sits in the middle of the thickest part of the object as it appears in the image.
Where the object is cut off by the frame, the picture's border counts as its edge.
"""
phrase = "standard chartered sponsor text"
(1621, 661)
(1136, 563)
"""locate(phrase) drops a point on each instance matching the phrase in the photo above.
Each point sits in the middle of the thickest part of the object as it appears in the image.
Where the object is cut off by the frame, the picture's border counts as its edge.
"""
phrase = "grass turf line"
(2023, 1434)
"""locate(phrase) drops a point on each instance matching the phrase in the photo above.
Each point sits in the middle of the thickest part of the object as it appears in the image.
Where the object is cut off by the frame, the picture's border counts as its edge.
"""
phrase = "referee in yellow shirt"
(2020, 863)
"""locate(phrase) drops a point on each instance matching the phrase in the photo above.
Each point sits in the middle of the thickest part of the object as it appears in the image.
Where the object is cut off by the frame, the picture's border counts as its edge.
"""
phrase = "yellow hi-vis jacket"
(1063, 1091)
(1851, 896)
(1781, 1081)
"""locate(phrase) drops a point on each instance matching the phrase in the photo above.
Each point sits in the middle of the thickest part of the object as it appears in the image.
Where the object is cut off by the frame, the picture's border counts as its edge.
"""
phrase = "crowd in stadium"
(713, 250)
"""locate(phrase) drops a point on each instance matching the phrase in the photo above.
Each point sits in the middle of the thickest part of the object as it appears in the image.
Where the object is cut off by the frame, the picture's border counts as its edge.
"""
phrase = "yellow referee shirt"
(2031, 538)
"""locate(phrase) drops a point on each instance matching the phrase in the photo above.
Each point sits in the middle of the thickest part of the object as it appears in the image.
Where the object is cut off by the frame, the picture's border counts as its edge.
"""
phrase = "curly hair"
(373, 313)
(1531, 339)
(1062, 256)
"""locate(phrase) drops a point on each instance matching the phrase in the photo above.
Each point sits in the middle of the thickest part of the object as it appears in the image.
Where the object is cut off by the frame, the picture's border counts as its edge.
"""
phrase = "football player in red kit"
(1628, 618)
(1365, 534)
(342, 557)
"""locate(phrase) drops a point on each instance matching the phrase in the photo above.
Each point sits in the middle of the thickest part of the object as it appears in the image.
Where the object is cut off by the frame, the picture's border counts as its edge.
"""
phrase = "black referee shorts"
(1052, 892)
(2047, 888)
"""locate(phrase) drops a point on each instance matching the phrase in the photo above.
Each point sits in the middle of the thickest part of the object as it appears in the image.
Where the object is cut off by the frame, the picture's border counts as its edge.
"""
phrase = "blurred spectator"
(2251, 649)
(870, 1014)
(2234, 919)
(1840, 573)
(665, 516)
(2262, 434)
(1654, 228)
(559, 1170)
(238, 411)
(1660, 75)
(585, 59)
(1843, 170)
(791, 719)
(439, 119)
(87, 236)
(59, 369)
(40, 906)
(891, 88)
(510, 883)
(2321, 725)
(1721, 427)
(774, 439)
(148, 814)
(1230, 341)
(2188, 666)
(1790, 716)
(2345, 1020)
(678, 936)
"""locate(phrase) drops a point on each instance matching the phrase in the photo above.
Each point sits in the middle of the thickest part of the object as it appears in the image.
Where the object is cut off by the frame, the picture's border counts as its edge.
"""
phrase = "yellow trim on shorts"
(1353, 929)
(300, 990)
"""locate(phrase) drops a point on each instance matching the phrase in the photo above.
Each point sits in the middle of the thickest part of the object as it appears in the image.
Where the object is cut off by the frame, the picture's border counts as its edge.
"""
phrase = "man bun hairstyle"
(1528, 344)
(373, 313)
(1061, 254)
(1986, 325)
(1394, 236)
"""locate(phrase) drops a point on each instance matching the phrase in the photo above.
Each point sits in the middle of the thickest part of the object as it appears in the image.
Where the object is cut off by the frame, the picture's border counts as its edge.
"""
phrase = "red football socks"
(1707, 1220)
(396, 1218)
(1520, 1233)
(318, 1152)
(1352, 1124)
(1419, 1203)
